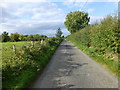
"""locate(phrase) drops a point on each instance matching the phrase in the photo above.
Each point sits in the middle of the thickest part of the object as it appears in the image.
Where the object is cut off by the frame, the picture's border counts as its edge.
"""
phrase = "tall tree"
(14, 37)
(59, 33)
(5, 37)
(36, 37)
(76, 20)
(21, 37)
(30, 38)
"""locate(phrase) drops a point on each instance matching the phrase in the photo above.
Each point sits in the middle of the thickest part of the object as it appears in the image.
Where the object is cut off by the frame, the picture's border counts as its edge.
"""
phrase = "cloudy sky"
(44, 17)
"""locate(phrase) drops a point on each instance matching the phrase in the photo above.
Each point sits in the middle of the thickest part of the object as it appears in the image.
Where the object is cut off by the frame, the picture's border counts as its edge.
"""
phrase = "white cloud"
(33, 27)
(23, 1)
(59, 0)
(3, 5)
(89, 0)
(32, 18)
(94, 19)
(73, 4)
(90, 10)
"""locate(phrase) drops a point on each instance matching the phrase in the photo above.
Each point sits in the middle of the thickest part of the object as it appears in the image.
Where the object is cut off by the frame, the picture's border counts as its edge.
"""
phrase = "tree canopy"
(76, 20)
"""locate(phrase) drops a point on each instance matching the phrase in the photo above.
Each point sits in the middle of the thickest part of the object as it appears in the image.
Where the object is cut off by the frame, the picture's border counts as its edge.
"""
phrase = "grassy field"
(7, 49)
(100, 42)
(22, 68)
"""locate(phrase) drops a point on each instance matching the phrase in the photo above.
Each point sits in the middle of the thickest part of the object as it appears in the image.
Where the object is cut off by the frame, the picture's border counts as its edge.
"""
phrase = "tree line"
(14, 37)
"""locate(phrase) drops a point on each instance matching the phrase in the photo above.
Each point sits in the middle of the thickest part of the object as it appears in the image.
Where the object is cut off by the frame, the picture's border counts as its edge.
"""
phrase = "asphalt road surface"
(71, 68)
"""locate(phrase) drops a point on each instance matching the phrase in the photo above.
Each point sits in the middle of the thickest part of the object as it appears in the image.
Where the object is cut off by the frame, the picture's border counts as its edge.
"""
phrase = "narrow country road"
(71, 68)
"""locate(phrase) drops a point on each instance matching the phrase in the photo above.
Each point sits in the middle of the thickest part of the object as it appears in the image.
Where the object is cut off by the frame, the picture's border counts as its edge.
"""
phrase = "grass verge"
(109, 64)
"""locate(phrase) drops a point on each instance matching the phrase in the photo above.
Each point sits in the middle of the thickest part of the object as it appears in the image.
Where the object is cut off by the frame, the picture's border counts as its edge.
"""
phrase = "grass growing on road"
(21, 68)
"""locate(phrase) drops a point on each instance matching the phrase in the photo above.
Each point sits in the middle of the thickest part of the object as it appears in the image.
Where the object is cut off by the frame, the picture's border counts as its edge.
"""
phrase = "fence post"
(14, 49)
(32, 43)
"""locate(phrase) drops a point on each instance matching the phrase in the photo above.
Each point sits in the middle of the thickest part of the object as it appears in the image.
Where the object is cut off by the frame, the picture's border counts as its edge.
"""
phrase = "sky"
(45, 17)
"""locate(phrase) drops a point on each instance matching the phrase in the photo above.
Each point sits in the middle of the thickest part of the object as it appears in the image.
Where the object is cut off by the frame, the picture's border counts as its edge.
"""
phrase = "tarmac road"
(71, 68)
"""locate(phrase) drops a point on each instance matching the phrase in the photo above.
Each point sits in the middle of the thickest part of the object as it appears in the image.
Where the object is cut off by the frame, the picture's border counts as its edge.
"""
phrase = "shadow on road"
(70, 68)
(66, 67)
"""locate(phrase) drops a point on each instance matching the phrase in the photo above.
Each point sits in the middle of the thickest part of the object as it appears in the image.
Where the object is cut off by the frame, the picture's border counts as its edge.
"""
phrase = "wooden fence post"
(32, 43)
(14, 49)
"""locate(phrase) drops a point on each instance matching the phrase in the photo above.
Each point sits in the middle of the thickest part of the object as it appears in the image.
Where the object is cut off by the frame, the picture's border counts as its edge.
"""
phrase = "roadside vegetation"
(22, 61)
(101, 42)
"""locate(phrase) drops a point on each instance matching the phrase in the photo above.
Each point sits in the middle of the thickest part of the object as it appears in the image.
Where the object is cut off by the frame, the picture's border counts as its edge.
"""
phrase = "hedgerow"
(20, 68)
(102, 39)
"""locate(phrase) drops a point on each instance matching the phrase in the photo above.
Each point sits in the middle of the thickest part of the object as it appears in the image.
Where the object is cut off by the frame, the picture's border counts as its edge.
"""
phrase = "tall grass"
(100, 41)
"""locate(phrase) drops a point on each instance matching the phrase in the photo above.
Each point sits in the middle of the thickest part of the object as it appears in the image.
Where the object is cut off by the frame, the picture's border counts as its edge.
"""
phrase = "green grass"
(19, 73)
(109, 64)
